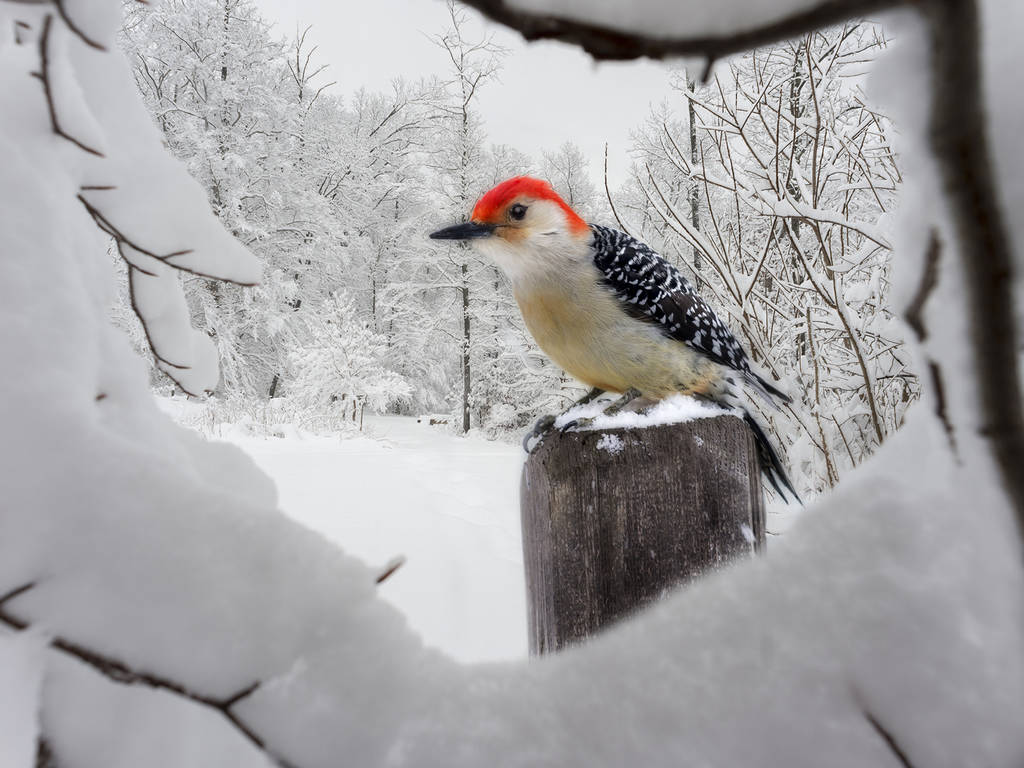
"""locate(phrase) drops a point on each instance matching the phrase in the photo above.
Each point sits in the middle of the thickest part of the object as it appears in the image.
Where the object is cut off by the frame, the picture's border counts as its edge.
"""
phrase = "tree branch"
(75, 28)
(960, 142)
(44, 76)
(119, 672)
(606, 43)
(929, 279)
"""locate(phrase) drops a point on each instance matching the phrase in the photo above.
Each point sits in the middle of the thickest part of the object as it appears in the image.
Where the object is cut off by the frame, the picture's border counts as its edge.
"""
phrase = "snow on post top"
(671, 410)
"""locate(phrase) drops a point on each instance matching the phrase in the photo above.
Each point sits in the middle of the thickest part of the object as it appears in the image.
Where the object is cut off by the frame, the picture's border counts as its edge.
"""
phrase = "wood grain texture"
(606, 532)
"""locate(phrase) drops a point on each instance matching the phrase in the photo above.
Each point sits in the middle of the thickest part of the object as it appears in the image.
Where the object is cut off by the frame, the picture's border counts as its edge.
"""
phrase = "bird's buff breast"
(582, 327)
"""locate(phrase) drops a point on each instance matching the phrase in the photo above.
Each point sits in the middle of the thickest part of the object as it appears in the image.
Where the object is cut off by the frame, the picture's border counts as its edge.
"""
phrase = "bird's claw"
(577, 425)
(541, 428)
(546, 423)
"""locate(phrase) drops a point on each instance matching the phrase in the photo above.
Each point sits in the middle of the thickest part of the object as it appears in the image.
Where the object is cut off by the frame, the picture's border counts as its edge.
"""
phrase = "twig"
(44, 754)
(940, 404)
(119, 672)
(75, 28)
(7, 618)
(19, 26)
(390, 569)
(889, 739)
(122, 240)
(929, 279)
(104, 223)
(44, 77)
(608, 194)
(885, 734)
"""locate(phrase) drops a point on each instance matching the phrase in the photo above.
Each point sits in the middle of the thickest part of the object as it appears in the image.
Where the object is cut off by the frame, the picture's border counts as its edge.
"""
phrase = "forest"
(770, 186)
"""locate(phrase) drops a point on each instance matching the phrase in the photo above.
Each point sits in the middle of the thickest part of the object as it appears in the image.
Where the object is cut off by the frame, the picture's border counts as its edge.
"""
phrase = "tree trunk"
(611, 519)
(466, 378)
(694, 188)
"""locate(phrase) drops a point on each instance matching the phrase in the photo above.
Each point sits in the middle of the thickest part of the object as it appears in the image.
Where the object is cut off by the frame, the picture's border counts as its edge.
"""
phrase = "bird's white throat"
(541, 257)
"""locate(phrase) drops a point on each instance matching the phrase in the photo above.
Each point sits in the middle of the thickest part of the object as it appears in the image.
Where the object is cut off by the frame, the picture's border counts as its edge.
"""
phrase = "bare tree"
(794, 170)
(474, 63)
(566, 169)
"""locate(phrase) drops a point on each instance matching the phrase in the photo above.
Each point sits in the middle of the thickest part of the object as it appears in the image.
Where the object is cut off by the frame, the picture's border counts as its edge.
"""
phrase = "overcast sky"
(548, 93)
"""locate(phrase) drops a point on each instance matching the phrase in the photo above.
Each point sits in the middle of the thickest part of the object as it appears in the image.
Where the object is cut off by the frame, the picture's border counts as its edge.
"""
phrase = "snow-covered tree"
(789, 233)
(250, 118)
(566, 170)
(459, 164)
(340, 369)
(382, 185)
(338, 196)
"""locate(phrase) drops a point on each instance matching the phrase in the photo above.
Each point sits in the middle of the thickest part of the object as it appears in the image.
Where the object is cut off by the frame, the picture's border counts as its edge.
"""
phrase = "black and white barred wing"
(655, 291)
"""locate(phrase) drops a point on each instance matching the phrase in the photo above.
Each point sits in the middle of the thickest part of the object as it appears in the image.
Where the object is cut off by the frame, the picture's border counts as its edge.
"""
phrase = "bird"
(610, 311)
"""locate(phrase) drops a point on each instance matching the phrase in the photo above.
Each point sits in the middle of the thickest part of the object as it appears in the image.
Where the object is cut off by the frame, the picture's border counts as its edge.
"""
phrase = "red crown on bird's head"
(492, 205)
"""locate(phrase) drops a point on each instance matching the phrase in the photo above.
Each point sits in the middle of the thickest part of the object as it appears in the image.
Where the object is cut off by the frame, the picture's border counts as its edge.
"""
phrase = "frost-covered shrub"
(340, 370)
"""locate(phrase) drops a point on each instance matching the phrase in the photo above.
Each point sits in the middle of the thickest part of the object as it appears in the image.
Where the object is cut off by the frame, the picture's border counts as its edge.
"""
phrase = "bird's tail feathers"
(766, 390)
(768, 458)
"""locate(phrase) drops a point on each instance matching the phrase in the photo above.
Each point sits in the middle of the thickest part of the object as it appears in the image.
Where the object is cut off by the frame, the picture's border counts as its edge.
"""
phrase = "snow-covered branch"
(660, 30)
(122, 674)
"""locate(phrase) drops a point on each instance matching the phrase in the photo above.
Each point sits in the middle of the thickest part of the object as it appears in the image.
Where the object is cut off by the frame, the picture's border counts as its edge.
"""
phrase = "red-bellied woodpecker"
(608, 309)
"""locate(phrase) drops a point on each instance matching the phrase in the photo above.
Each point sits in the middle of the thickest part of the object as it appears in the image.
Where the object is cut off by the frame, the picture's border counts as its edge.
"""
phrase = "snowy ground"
(449, 505)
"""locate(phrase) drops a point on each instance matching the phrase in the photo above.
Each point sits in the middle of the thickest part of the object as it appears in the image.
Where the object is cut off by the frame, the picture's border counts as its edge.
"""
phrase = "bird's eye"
(517, 212)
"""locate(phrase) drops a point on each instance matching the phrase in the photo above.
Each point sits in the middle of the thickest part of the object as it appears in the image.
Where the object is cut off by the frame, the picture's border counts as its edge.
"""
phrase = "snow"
(897, 600)
(21, 673)
(671, 410)
(448, 505)
(146, 544)
(146, 198)
(107, 725)
(191, 358)
(748, 534)
(789, 649)
(1001, 23)
(611, 443)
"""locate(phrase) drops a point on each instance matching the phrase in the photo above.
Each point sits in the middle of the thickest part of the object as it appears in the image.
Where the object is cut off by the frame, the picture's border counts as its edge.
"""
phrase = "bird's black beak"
(468, 231)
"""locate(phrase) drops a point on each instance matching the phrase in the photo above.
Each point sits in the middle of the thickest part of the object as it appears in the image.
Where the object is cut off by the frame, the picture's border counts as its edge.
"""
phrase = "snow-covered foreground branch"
(660, 29)
(119, 673)
(887, 628)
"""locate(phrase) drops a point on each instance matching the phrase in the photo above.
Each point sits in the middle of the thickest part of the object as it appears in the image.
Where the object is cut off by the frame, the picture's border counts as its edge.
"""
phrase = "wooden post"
(613, 518)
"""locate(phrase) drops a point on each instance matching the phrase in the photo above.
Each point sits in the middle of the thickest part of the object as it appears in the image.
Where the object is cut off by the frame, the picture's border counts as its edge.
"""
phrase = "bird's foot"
(627, 397)
(586, 422)
(540, 429)
(577, 425)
